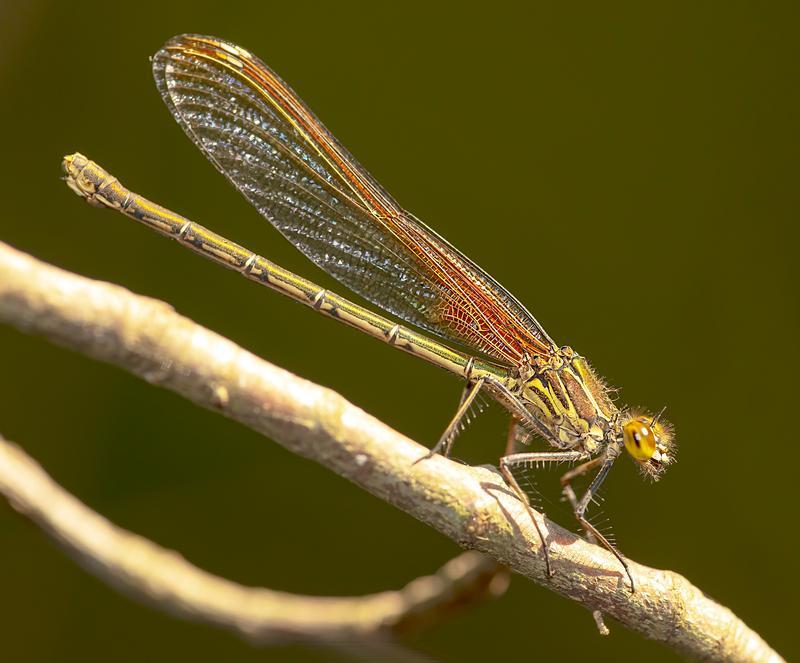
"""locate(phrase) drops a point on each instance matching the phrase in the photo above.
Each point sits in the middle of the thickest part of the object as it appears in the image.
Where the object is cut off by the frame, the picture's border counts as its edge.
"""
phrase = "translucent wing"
(262, 137)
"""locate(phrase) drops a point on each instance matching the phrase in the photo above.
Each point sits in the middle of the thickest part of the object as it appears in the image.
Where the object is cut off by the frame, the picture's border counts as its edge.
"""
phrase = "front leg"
(579, 507)
(521, 459)
(566, 486)
(572, 474)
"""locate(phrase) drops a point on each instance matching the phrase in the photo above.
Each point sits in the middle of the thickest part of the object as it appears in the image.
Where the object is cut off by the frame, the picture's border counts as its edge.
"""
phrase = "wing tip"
(192, 41)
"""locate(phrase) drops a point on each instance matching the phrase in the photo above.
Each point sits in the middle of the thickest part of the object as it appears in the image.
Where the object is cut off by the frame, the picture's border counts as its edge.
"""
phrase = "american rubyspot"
(264, 139)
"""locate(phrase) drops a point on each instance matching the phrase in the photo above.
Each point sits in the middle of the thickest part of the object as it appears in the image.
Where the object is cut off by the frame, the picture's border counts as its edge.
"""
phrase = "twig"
(162, 577)
(471, 505)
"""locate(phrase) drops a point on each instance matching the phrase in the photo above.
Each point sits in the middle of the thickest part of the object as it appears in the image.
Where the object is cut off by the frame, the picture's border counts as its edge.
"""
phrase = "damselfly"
(265, 140)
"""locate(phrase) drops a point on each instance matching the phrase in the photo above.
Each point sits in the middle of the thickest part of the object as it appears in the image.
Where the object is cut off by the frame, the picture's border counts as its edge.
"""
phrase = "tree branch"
(163, 578)
(471, 505)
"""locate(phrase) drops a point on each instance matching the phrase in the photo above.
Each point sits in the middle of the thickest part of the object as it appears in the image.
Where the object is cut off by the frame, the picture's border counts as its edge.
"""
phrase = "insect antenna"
(658, 416)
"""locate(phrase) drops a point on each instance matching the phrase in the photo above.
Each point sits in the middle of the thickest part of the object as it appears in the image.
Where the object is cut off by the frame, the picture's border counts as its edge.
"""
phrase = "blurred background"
(628, 171)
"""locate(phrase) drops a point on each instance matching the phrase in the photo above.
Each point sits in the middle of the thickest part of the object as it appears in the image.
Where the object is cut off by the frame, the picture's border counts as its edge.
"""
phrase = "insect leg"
(518, 437)
(534, 457)
(445, 442)
(574, 473)
(582, 505)
(566, 484)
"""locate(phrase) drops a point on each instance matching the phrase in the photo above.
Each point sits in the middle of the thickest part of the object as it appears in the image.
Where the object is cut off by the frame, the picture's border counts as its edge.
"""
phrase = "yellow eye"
(639, 439)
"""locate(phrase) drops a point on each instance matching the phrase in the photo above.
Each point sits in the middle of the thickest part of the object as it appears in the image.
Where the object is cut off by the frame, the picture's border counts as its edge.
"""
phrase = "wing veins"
(469, 306)
(402, 258)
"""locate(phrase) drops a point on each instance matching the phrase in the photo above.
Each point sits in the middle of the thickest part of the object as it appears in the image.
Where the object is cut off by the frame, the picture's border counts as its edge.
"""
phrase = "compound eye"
(639, 439)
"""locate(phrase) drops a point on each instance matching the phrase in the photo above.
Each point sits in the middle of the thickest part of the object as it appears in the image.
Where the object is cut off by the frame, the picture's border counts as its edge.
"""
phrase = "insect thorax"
(569, 399)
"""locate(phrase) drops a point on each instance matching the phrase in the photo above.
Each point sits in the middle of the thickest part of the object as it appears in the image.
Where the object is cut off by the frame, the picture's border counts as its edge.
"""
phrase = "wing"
(264, 139)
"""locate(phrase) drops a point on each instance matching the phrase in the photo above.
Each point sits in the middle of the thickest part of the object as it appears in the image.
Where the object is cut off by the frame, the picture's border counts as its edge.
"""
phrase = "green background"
(627, 170)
